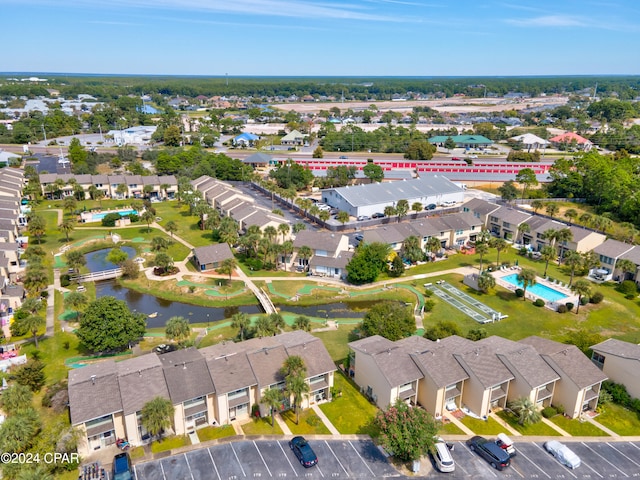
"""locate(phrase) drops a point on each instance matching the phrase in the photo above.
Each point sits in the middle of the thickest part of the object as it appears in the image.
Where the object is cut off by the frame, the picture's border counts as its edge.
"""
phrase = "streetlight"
(207, 322)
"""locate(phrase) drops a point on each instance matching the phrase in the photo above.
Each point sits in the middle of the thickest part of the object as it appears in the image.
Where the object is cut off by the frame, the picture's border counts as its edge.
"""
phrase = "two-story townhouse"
(609, 252)
(464, 227)
(536, 237)
(620, 361)
(632, 255)
(190, 389)
(480, 209)
(385, 370)
(101, 182)
(117, 191)
(135, 188)
(330, 253)
(393, 234)
(504, 222)
(580, 380)
(151, 187)
(584, 240)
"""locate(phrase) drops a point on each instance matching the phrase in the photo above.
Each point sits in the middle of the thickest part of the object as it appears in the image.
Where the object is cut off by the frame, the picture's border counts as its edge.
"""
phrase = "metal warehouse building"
(368, 199)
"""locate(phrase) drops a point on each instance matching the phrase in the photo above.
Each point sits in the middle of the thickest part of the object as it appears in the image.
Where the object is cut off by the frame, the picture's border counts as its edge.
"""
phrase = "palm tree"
(563, 236)
(228, 266)
(433, 245)
(527, 277)
(286, 247)
(402, 207)
(202, 210)
(482, 249)
(486, 282)
(586, 218)
(16, 399)
(302, 323)
(75, 259)
(263, 326)
(536, 205)
(305, 253)
(272, 398)
(547, 253)
(551, 209)
(499, 244)
(70, 204)
(625, 266)
(324, 215)
(298, 387)
(522, 229)
(76, 301)
(122, 189)
(171, 227)
(164, 187)
(33, 323)
(571, 214)
(342, 217)
(159, 244)
(213, 220)
(417, 207)
(300, 226)
(148, 218)
(36, 226)
(157, 415)
(270, 232)
(67, 226)
(293, 365)
(573, 260)
(35, 280)
(629, 232)
(526, 411)
(284, 230)
(277, 322)
(582, 288)
(177, 328)
(242, 322)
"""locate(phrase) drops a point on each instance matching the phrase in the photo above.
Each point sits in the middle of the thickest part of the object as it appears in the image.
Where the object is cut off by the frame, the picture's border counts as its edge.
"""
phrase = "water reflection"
(97, 261)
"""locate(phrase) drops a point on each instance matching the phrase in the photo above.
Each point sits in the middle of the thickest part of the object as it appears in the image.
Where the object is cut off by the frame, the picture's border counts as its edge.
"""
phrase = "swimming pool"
(546, 293)
(123, 213)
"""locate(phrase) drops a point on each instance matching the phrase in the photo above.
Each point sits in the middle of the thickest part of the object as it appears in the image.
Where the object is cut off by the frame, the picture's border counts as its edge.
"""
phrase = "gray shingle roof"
(266, 364)
(510, 215)
(482, 362)
(612, 248)
(368, 194)
(569, 359)
(231, 372)
(186, 374)
(339, 261)
(480, 206)
(318, 240)
(618, 348)
(438, 363)
(141, 379)
(633, 255)
(213, 253)
(93, 391)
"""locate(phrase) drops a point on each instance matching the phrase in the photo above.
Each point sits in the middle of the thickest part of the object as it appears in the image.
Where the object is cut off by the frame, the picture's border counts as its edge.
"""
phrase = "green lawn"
(261, 426)
(577, 428)
(450, 428)
(187, 225)
(170, 443)
(619, 419)
(536, 429)
(351, 412)
(335, 341)
(310, 423)
(213, 433)
(483, 427)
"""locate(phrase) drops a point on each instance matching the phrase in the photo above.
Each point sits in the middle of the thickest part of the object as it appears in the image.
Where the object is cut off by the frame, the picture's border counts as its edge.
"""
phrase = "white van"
(506, 443)
(443, 458)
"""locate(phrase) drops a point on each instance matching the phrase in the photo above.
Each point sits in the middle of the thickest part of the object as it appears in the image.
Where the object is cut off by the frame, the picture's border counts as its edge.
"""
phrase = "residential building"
(462, 141)
(504, 222)
(216, 385)
(529, 141)
(609, 252)
(330, 253)
(571, 139)
(620, 361)
(56, 185)
(480, 209)
(580, 381)
(294, 138)
(211, 257)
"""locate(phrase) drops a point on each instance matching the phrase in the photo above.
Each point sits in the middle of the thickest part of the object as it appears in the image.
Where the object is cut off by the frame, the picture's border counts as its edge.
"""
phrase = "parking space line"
(564, 466)
(335, 456)
(215, 467)
(162, 468)
(605, 459)
(360, 457)
(634, 445)
(482, 462)
(135, 473)
(321, 474)
(260, 453)
(533, 463)
(287, 457)
(188, 466)
(636, 464)
(517, 471)
(237, 459)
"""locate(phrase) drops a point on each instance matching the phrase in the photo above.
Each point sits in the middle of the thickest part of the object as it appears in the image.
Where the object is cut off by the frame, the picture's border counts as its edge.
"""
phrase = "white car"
(448, 204)
(563, 453)
(442, 456)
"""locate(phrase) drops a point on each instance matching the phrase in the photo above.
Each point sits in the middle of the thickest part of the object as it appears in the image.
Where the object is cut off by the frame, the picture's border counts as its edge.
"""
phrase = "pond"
(97, 261)
(165, 309)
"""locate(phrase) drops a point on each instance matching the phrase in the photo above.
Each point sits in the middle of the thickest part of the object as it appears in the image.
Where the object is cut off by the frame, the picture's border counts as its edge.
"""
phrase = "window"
(459, 232)
(598, 359)
(243, 392)
(506, 224)
(405, 387)
(316, 379)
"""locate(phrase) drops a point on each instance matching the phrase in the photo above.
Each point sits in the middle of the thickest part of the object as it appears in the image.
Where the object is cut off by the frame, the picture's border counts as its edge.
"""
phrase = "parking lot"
(270, 459)
(600, 460)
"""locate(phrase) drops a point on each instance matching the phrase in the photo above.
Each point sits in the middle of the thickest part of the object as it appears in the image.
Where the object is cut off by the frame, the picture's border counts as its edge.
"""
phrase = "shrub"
(65, 280)
(559, 409)
(549, 412)
(628, 289)
(109, 219)
(523, 251)
(569, 306)
(597, 297)
(134, 218)
(618, 392)
(519, 292)
(539, 302)
(428, 293)
(428, 305)
(584, 300)
(562, 308)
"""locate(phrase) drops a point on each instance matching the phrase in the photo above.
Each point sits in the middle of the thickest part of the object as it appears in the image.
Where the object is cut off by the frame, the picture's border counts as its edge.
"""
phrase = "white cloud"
(549, 21)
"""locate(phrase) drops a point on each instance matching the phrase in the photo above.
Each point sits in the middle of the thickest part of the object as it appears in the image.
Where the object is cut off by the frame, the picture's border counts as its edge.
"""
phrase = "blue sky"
(321, 37)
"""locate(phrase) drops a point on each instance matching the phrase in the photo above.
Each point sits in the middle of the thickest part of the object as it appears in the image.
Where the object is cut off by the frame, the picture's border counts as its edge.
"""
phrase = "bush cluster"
(549, 412)
(620, 395)
(562, 308)
(65, 280)
(597, 297)
(539, 302)
(570, 306)
(519, 292)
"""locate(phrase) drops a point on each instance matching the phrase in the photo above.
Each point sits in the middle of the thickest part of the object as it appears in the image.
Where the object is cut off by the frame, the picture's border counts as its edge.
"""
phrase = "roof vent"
(304, 345)
(389, 351)
(93, 379)
(184, 365)
(139, 373)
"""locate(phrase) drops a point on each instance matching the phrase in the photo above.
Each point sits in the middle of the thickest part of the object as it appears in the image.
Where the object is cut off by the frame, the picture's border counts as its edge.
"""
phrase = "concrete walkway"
(458, 423)
(600, 426)
(325, 420)
(283, 425)
(509, 428)
(549, 423)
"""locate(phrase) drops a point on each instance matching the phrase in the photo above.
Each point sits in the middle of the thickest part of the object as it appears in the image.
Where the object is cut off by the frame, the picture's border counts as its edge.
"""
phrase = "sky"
(321, 37)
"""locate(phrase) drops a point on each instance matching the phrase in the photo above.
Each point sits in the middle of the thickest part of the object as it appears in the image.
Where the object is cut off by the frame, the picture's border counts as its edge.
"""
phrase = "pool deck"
(565, 290)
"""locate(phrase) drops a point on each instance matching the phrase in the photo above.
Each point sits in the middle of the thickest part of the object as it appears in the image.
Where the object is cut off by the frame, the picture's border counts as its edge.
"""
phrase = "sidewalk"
(458, 423)
(505, 425)
(325, 420)
(600, 426)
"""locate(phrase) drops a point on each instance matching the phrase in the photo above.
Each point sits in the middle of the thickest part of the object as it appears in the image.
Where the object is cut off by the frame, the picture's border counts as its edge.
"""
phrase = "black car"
(431, 206)
(121, 467)
(303, 452)
(378, 215)
(490, 451)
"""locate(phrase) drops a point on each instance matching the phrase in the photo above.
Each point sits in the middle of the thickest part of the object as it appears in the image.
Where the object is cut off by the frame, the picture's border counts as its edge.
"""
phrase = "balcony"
(544, 393)
(498, 393)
